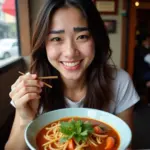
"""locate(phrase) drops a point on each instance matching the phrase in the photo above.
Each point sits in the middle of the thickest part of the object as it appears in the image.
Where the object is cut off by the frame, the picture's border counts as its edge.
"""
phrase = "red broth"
(110, 132)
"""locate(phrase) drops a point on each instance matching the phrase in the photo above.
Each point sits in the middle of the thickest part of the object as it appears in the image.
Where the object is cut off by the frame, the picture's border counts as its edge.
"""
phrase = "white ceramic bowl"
(120, 126)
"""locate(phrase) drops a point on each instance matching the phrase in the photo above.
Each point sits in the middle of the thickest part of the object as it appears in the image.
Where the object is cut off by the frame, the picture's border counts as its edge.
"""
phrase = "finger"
(31, 82)
(20, 78)
(20, 93)
(25, 84)
(23, 101)
(24, 77)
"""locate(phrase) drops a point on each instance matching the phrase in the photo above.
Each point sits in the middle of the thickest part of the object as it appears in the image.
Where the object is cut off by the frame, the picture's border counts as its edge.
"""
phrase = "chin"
(72, 77)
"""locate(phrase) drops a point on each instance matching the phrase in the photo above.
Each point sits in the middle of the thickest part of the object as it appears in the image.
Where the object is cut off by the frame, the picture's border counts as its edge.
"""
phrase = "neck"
(75, 89)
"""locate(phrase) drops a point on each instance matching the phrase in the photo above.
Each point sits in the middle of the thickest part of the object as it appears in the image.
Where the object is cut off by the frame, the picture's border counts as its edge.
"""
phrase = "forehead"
(68, 17)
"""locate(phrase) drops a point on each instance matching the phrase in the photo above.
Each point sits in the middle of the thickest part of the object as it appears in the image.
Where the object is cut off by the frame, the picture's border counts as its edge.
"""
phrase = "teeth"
(71, 64)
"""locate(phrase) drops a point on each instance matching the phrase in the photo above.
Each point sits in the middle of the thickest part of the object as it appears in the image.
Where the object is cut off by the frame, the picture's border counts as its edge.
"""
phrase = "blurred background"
(128, 26)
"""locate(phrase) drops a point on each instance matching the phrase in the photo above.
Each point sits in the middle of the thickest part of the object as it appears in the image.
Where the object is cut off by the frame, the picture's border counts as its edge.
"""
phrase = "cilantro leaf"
(78, 130)
(63, 139)
(84, 133)
(78, 138)
(88, 126)
(66, 128)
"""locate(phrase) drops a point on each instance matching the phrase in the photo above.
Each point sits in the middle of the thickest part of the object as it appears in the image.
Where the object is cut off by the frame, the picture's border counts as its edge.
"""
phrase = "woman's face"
(69, 46)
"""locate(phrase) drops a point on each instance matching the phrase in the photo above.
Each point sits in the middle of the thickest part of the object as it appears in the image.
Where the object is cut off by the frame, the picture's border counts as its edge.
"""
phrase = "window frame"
(23, 33)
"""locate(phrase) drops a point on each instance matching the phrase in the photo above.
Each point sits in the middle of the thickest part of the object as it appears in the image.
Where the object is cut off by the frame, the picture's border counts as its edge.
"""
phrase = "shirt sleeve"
(12, 103)
(126, 93)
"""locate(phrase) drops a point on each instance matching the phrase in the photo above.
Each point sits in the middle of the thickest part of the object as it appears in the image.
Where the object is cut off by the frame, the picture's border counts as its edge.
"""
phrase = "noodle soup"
(79, 134)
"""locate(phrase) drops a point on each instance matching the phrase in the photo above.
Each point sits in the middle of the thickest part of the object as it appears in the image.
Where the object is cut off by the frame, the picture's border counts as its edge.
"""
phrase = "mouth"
(71, 65)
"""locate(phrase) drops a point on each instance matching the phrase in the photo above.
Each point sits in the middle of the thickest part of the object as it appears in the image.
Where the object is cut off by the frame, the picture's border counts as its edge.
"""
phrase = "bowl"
(116, 123)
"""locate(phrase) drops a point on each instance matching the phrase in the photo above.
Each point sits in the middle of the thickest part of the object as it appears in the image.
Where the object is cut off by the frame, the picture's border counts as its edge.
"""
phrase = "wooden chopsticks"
(48, 77)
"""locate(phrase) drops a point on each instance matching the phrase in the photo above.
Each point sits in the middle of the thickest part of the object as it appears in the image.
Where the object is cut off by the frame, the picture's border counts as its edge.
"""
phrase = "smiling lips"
(71, 65)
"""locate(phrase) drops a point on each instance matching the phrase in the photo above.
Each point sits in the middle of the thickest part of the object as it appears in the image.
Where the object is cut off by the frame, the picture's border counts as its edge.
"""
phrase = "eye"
(57, 39)
(82, 37)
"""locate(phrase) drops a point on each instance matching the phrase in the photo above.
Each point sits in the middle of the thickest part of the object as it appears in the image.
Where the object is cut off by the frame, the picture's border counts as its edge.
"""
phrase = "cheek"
(52, 53)
(89, 49)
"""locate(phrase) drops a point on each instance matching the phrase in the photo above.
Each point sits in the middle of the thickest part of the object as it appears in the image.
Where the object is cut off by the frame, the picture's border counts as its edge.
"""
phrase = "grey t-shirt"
(125, 95)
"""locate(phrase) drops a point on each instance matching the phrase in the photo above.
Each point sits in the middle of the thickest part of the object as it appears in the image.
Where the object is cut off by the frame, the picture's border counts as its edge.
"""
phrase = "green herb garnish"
(78, 130)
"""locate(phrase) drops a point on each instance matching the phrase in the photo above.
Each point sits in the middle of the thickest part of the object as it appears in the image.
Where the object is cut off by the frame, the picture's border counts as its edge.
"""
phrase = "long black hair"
(99, 73)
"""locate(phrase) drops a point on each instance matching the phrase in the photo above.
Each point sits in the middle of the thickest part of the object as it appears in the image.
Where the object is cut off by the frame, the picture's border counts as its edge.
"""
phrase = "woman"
(70, 41)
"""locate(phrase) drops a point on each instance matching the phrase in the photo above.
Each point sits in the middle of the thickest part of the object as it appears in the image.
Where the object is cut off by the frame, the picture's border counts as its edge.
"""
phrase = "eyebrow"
(56, 31)
(80, 29)
(76, 29)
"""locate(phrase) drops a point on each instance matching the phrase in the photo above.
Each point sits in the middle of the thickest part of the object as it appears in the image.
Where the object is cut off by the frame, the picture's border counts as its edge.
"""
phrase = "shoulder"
(122, 82)
(121, 77)
(125, 94)
(122, 73)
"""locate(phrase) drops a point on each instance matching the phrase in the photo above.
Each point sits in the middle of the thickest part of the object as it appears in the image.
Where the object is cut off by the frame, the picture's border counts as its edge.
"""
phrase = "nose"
(70, 49)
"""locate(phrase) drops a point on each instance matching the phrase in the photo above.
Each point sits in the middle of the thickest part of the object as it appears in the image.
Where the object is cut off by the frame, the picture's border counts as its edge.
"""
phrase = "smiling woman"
(70, 41)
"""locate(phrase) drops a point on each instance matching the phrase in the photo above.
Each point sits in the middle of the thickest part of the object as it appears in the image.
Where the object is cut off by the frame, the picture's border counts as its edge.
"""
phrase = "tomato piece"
(98, 130)
(110, 143)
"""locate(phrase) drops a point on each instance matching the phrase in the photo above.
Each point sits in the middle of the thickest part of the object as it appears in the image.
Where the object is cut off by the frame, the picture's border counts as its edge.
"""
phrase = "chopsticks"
(48, 77)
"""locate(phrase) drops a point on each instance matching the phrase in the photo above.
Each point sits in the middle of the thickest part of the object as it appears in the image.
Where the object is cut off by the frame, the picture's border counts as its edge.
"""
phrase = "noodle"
(53, 136)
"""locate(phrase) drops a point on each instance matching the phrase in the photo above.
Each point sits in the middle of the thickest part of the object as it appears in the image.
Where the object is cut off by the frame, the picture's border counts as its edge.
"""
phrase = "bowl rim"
(75, 109)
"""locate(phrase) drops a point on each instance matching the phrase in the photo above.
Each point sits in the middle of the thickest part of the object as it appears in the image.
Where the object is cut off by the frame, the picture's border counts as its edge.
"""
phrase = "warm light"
(137, 4)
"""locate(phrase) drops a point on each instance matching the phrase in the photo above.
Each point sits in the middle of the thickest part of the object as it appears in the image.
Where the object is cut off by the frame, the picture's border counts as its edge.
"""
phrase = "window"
(9, 50)
(15, 44)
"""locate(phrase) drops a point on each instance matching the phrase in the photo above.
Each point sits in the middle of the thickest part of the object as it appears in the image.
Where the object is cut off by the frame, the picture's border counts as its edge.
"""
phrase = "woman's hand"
(25, 94)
